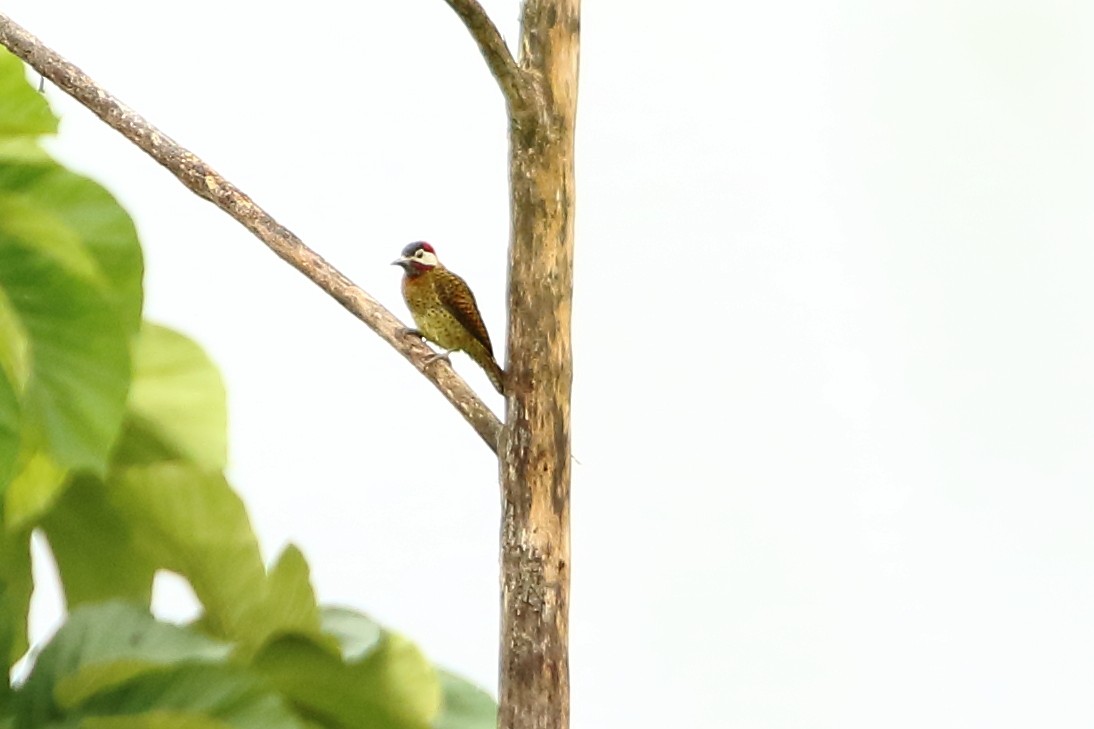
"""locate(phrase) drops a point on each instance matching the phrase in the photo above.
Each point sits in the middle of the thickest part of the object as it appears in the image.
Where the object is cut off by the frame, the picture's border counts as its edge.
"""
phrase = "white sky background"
(834, 390)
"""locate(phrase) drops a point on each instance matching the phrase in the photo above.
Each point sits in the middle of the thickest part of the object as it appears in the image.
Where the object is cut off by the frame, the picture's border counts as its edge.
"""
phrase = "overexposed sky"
(834, 358)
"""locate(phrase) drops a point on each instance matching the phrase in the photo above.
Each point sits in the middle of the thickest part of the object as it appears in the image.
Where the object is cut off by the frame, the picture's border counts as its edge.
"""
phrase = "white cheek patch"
(427, 259)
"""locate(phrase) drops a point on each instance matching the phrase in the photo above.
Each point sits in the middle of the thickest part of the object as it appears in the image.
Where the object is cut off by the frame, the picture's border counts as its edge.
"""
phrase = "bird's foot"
(430, 359)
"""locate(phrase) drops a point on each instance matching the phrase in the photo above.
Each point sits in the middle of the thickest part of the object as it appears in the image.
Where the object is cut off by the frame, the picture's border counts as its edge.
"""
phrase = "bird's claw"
(430, 359)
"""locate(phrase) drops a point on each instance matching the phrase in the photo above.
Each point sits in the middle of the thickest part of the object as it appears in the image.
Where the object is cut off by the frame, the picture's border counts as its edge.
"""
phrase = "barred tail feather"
(493, 370)
(497, 376)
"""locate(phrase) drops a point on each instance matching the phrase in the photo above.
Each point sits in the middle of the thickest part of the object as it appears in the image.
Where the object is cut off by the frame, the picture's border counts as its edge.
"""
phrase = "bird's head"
(417, 258)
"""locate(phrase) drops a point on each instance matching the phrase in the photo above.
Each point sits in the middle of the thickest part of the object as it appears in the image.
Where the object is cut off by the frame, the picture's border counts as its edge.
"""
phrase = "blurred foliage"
(113, 444)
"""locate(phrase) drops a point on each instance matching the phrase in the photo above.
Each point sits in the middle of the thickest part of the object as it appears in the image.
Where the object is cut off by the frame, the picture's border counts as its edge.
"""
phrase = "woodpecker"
(444, 309)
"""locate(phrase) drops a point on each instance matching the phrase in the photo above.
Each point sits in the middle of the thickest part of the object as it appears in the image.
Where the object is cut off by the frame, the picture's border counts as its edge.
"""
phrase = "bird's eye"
(419, 254)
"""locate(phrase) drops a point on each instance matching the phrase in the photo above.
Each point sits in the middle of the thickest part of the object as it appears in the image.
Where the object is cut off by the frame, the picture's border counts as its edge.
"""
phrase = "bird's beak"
(400, 262)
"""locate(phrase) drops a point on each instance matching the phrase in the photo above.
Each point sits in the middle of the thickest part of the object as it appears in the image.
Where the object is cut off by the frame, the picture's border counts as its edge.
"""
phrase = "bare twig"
(510, 77)
(205, 182)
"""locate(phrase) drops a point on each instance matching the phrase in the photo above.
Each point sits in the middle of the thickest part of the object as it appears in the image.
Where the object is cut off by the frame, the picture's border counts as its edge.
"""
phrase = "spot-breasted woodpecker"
(444, 309)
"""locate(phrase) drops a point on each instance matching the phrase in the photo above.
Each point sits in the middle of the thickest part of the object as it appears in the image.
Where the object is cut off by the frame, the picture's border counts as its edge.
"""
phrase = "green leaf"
(465, 706)
(9, 432)
(37, 485)
(115, 660)
(110, 538)
(100, 647)
(26, 219)
(23, 149)
(70, 279)
(288, 605)
(155, 720)
(22, 109)
(16, 585)
(228, 694)
(191, 522)
(95, 548)
(178, 396)
(99, 226)
(14, 357)
(392, 687)
(139, 446)
(78, 351)
(357, 634)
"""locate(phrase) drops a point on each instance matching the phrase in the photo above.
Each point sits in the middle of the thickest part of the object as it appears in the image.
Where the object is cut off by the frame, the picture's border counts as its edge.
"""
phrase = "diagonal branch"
(513, 81)
(205, 182)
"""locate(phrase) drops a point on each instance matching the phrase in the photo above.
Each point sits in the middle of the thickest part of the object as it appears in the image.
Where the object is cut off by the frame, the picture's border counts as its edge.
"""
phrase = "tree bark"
(534, 690)
(534, 454)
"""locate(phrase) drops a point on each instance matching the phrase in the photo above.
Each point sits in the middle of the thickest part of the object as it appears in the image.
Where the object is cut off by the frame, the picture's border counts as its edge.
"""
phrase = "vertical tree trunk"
(534, 688)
